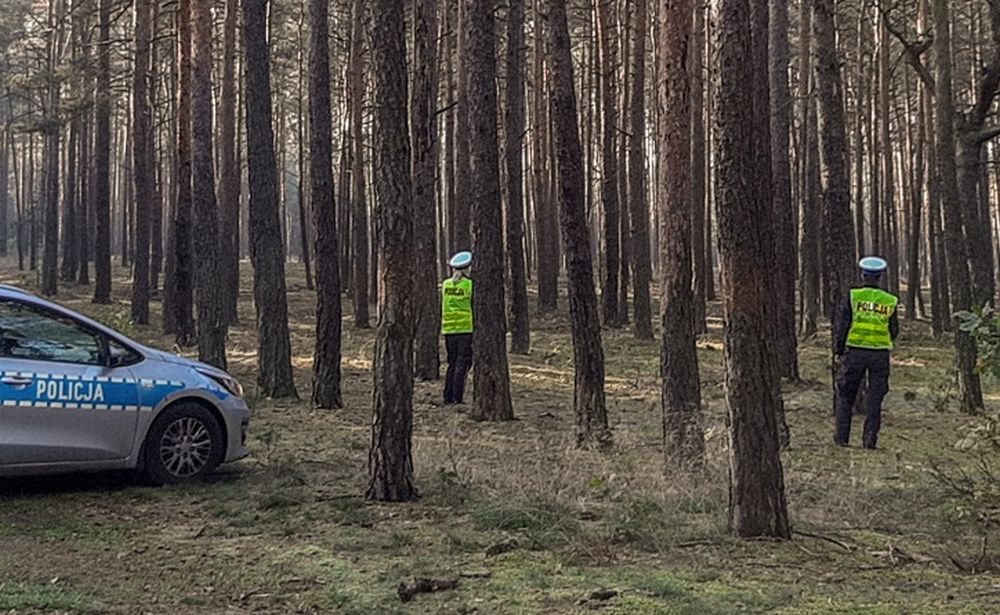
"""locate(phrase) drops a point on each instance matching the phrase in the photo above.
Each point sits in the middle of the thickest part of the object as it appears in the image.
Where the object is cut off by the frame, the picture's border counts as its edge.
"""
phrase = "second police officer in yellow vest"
(457, 326)
(867, 327)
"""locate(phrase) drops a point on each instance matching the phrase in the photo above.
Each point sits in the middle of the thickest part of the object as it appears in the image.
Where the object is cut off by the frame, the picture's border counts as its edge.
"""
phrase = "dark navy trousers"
(859, 362)
(459, 347)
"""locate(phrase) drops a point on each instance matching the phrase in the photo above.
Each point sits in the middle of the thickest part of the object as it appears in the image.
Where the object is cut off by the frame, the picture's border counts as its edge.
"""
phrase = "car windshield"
(29, 333)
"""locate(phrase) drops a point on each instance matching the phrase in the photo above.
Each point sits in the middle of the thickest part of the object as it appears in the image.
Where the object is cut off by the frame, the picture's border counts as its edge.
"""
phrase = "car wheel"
(185, 443)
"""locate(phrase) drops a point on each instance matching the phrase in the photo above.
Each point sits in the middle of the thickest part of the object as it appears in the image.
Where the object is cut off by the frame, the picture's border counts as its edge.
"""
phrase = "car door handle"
(16, 381)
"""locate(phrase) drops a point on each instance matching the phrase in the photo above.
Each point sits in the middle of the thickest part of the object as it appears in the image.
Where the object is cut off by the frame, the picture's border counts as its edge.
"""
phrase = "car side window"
(29, 333)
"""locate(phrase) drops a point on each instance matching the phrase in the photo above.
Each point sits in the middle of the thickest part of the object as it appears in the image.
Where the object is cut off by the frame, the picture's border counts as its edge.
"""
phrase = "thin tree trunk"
(326, 360)
(209, 290)
(698, 170)
(588, 353)
(424, 131)
(229, 180)
(638, 205)
(514, 132)
(680, 391)
(143, 176)
(491, 379)
(359, 201)
(102, 160)
(786, 350)
(969, 390)
(809, 219)
(274, 366)
(609, 166)
(838, 237)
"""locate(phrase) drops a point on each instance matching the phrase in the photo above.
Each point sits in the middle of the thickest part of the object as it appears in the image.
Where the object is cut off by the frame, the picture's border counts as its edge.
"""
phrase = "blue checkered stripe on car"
(69, 392)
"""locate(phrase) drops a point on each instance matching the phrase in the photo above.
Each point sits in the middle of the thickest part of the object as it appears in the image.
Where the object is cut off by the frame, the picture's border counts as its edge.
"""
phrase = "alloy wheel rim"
(185, 447)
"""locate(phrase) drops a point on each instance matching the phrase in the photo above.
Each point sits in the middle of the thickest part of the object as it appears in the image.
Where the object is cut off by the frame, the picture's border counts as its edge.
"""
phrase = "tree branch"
(912, 51)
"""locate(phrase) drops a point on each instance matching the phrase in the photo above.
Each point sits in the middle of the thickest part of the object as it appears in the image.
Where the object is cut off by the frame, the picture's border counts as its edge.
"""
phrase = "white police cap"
(873, 265)
(461, 260)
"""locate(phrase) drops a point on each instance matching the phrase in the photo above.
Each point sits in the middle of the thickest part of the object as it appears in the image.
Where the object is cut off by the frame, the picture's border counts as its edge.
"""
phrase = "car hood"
(166, 357)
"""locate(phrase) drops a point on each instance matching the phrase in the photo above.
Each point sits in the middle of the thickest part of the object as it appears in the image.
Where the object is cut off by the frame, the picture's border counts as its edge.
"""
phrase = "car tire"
(185, 443)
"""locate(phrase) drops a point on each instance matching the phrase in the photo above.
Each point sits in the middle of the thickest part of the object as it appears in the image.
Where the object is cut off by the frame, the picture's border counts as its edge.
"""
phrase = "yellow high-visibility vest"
(456, 306)
(871, 309)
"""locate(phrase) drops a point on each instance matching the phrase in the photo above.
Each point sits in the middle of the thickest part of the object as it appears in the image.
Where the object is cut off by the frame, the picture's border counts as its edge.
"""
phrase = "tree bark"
(209, 293)
(638, 205)
(461, 220)
(698, 170)
(359, 201)
(424, 142)
(390, 461)
(838, 239)
(609, 166)
(680, 391)
(53, 133)
(178, 300)
(785, 345)
(757, 504)
(229, 180)
(588, 353)
(809, 218)
(969, 390)
(546, 222)
(274, 362)
(102, 159)
(491, 379)
(514, 132)
(326, 360)
(143, 175)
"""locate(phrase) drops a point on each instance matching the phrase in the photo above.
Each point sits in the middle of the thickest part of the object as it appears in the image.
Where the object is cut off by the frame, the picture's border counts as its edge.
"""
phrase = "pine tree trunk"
(680, 391)
(638, 206)
(546, 222)
(209, 291)
(424, 142)
(491, 379)
(969, 390)
(809, 217)
(143, 178)
(229, 181)
(609, 166)
(274, 366)
(178, 300)
(698, 169)
(461, 220)
(756, 493)
(5, 156)
(102, 160)
(588, 353)
(50, 257)
(838, 237)
(326, 360)
(390, 461)
(514, 132)
(359, 200)
(786, 350)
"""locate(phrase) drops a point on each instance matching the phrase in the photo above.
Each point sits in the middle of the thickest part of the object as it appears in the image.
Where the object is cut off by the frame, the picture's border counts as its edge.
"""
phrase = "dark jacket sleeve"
(843, 327)
(894, 325)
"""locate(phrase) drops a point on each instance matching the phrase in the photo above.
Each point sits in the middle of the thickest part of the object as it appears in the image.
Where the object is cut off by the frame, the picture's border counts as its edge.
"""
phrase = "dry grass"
(286, 531)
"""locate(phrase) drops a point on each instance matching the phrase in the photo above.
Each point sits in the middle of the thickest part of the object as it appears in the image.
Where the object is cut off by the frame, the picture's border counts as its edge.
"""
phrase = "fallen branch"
(424, 586)
(829, 539)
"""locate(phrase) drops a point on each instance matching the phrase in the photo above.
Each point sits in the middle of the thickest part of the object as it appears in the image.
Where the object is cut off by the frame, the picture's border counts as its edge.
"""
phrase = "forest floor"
(524, 521)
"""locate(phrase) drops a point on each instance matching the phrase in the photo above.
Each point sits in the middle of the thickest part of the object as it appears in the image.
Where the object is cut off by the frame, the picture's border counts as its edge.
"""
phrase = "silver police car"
(78, 396)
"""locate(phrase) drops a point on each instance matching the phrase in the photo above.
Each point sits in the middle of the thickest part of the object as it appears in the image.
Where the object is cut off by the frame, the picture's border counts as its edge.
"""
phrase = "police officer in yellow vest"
(867, 327)
(456, 325)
